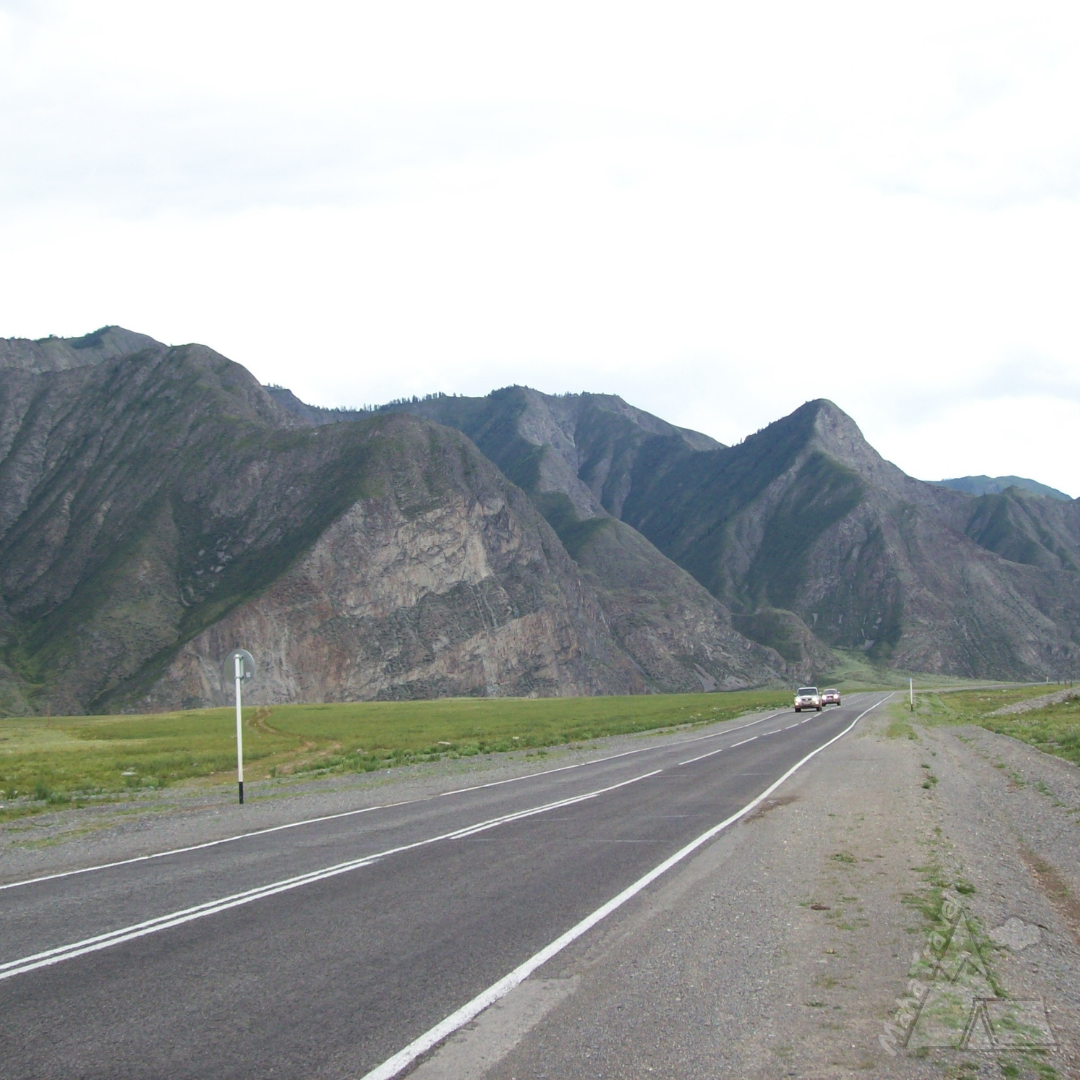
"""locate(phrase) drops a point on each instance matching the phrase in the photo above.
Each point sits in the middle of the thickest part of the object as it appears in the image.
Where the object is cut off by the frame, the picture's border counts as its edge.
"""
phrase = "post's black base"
(241, 792)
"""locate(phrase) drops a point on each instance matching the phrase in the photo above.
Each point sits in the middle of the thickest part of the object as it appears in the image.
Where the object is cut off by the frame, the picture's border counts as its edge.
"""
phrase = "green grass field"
(60, 760)
(1054, 729)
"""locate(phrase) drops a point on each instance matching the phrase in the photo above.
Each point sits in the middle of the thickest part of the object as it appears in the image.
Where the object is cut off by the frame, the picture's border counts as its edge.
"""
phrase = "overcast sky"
(716, 210)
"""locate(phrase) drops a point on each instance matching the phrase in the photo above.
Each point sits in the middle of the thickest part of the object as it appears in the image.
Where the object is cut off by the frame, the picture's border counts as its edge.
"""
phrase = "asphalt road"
(323, 949)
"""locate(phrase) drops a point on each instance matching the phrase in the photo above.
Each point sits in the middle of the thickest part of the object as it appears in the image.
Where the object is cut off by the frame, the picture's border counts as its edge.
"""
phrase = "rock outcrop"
(805, 516)
(575, 456)
(448, 583)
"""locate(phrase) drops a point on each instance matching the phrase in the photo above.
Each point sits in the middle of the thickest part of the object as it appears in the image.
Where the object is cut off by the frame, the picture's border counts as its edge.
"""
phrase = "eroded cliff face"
(467, 597)
(575, 456)
(680, 637)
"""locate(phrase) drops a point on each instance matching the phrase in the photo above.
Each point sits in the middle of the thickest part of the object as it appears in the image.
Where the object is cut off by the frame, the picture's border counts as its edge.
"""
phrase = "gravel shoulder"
(802, 942)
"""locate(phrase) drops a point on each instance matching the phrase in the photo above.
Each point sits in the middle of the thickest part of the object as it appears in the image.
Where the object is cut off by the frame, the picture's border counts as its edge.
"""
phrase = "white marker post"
(910, 686)
(243, 667)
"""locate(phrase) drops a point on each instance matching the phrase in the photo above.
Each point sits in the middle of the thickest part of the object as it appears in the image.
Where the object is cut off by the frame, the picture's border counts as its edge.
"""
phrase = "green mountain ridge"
(998, 485)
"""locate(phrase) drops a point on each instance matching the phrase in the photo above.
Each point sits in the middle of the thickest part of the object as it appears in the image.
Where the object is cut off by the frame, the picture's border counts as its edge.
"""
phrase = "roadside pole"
(911, 699)
(240, 667)
(238, 660)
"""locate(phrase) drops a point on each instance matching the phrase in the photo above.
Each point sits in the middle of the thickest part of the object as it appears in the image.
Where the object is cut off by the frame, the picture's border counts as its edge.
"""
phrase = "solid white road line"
(405, 1057)
(212, 907)
(368, 809)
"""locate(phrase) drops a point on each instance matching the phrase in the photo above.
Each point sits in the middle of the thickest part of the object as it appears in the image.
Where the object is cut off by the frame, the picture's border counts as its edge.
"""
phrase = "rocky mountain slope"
(158, 508)
(575, 457)
(802, 531)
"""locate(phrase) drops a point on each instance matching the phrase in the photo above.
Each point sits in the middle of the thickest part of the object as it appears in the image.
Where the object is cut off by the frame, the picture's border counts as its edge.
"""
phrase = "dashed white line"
(763, 735)
(702, 757)
(212, 907)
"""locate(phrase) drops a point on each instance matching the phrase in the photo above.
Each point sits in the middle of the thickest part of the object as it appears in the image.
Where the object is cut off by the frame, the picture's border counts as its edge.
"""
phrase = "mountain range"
(158, 507)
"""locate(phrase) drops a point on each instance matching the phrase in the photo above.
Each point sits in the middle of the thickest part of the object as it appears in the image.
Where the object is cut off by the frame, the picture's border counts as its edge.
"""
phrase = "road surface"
(328, 948)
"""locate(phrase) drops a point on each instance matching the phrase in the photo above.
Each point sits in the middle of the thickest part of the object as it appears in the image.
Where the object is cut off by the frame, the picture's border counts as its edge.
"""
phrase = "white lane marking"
(405, 1057)
(212, 907)
(610, 757)
(702, 757)
(712, 753)
(200, 847)
(367, 809)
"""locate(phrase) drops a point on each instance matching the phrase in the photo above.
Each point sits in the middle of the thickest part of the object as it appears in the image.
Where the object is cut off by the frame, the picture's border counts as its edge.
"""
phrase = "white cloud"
(718, 211)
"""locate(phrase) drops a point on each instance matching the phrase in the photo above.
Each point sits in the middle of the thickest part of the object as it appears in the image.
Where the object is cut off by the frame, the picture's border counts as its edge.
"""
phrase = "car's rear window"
(804, 690)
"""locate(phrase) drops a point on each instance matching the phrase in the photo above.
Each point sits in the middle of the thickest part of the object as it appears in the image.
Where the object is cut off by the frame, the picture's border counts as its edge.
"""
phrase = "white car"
(830, 697)
(807, 697)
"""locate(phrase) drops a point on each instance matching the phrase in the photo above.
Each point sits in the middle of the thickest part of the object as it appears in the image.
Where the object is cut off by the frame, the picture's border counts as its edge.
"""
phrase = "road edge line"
(393, 1066)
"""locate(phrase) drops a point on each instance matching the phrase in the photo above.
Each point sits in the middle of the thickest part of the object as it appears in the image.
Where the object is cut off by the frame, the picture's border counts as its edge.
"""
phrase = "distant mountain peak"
(824, 426)
(569, 408)
(63, 354)
(996, 485)
(833, 425)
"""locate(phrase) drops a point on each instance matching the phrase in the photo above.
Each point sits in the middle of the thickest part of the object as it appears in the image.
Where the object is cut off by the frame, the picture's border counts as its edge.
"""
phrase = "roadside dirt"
(905, 908)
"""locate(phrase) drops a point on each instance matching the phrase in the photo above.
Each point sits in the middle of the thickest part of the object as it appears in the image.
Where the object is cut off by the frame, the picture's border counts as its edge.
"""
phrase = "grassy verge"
(855, 671)
(61, 760)
(1054, 729)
